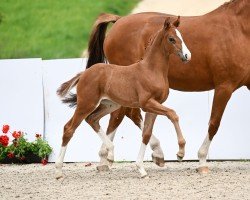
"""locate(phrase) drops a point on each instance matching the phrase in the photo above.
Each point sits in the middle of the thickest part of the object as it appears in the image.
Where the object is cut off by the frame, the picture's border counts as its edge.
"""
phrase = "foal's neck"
(156, 57)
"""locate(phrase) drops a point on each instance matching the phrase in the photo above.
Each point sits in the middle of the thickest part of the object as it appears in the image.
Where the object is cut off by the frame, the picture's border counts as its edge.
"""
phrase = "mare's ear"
(177, 22)
(167, 23)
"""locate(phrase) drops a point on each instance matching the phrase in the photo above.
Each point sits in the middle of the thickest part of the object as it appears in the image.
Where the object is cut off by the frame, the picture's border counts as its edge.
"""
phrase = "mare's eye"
(172, 40)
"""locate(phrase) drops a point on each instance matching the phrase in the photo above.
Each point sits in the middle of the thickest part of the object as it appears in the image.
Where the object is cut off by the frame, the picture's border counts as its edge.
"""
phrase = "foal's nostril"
(186, 56)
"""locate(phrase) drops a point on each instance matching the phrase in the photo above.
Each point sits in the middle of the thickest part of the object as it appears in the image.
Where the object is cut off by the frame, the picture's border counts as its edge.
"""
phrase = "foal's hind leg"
(84, 109)
(115, 120)
(93, 119)
(69, 130)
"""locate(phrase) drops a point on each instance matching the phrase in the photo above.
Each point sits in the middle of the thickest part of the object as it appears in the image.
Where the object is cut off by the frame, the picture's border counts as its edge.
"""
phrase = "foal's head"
(173, 40)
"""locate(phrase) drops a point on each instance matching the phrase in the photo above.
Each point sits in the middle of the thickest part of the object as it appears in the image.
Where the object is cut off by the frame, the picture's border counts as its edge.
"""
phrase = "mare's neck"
(156, 57)
(238, 10)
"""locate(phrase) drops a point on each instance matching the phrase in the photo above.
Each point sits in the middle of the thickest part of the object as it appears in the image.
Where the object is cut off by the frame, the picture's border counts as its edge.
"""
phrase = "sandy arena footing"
(226, 180)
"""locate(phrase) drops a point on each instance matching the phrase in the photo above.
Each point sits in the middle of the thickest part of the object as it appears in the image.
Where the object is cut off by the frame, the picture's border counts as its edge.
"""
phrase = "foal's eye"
(172, 40)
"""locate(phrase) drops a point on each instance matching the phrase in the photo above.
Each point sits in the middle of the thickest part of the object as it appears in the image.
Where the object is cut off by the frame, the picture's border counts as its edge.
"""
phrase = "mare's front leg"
(222, 95)
(155, 107)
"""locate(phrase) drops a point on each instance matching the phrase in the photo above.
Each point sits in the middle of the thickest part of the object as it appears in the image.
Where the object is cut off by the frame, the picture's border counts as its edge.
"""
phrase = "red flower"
(22, 158)
(5, 128)
(16, 134)
(11, 155)
(15, 143)
(38, 135)
(4, 140)
(44, 161)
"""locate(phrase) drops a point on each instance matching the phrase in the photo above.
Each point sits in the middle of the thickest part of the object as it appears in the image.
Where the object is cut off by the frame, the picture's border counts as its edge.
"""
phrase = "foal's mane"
(151, 42)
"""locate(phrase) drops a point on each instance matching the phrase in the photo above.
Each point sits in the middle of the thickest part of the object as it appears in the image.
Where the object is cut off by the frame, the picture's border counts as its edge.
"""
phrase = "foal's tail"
(95, 46)
(64, 89)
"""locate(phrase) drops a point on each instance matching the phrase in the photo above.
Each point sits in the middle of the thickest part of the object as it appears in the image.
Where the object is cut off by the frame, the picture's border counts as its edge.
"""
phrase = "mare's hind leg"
(157, 156)
(93, 119)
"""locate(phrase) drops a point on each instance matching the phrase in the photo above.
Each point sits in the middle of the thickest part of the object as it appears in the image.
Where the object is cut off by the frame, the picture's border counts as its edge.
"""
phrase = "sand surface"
(227, 180)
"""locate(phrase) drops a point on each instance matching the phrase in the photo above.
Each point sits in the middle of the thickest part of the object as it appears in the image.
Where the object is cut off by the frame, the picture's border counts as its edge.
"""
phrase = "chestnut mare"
(220, 46)
(141, 85)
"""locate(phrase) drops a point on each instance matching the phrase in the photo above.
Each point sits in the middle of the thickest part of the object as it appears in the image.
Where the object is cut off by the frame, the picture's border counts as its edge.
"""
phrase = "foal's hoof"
(111, 161)
(145, 177)
(59, 176)
(158, 161)
(179, 158)
(102, 168)
(203, 170)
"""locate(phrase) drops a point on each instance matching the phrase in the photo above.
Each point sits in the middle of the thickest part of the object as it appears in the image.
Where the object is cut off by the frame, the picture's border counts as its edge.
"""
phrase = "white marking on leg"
(139, 162)
(156, 147)
(59, 162)
(185, 50)
(203, 151)
(112, 135)
(142, 125)
(103, 153)
(154, 144)
(108, 143)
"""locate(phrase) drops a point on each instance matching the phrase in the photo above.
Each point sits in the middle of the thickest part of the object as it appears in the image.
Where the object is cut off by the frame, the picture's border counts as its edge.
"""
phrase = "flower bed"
(20, 150)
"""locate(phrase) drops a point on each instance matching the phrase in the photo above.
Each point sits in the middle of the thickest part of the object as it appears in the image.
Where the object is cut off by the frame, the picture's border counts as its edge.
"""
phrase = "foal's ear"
(167, 23)
(177, 22)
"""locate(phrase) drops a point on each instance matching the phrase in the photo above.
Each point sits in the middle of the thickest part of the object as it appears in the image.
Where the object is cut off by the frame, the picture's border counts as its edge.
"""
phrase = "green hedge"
(51, 28)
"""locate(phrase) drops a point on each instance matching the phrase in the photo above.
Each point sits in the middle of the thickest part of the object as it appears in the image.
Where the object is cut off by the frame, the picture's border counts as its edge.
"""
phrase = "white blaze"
(185, 50)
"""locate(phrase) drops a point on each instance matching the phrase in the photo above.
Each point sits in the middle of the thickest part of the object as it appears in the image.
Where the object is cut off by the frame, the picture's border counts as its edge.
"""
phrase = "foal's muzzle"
(185, 57)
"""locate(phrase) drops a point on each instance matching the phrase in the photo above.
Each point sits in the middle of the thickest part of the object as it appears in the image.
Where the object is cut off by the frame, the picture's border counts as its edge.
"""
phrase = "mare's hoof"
(102, 168)
(179, 158)
(203, 170)
(158, 161)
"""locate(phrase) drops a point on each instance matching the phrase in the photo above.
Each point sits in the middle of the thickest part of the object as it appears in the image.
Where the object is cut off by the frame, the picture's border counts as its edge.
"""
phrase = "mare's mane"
(232, 4)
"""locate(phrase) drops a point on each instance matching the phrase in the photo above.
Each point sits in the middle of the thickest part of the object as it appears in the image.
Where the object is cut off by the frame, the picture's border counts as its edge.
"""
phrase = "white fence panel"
(22, 95)
(23, 105)
(85, 143)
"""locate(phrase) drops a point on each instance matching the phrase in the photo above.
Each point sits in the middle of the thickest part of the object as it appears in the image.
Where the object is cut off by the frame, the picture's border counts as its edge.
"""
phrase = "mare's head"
(173, 40)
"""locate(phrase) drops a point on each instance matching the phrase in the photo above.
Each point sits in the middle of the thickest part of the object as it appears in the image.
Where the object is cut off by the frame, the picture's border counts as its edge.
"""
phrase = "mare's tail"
(95, 46)
(63, 91)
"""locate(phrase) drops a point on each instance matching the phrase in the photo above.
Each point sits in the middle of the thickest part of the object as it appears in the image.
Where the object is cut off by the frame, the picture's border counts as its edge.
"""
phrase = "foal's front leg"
(147, 132)
(153, 106)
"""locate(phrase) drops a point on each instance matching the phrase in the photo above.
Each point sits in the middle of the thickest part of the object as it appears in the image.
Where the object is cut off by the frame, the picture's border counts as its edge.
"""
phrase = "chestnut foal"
(142, 85)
